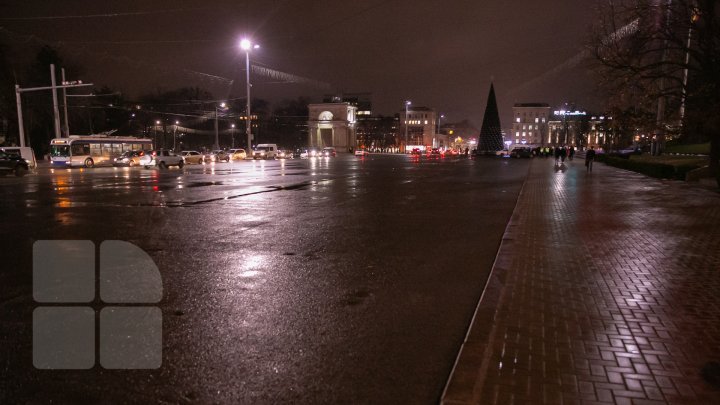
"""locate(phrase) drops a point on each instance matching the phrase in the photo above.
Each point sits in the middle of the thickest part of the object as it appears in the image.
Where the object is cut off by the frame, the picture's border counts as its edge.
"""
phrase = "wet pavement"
(348, 280)
(605, 290)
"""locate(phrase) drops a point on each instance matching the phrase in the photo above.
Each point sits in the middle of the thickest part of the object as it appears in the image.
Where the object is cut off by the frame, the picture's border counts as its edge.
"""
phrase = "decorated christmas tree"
(490, 133)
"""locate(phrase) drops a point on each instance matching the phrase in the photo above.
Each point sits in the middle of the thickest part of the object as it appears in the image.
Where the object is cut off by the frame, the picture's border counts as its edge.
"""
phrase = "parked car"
(265, 151)
(314, 152)
(416, 151)
(162, 158)
(219, 156)
(13, 164)
(130, 158)
(361, 152)
(192, 157)
(329, 152)
(435, 153)
(24, 152)
(630, 151)
(521, 152)
(285, 154)
(237, 154)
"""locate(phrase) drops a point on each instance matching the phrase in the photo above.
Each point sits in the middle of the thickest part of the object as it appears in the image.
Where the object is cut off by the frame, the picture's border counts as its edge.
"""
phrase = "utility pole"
(54, 87)
(66, 127)
(56, 112)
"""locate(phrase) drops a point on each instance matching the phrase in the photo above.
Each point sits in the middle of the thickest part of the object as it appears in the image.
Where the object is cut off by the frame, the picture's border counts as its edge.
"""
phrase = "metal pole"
(247, 85)
(21, 129)
(56, 111)
(407, 121)
(217, 137)
(66, 127)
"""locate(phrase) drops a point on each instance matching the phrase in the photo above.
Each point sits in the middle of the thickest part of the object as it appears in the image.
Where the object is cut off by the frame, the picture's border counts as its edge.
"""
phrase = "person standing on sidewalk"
(589, 158)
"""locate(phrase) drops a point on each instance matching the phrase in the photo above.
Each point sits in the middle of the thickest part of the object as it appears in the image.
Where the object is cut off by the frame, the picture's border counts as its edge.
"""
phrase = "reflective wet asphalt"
(301, 281)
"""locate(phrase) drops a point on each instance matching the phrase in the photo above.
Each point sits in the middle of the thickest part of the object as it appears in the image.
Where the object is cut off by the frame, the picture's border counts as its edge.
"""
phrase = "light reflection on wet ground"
(324, 279)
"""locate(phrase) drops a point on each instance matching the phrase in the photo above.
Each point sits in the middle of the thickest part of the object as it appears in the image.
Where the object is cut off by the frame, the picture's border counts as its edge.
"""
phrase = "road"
(302, 281)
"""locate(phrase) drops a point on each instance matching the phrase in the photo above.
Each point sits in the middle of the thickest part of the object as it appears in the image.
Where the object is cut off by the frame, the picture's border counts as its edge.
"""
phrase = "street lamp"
(175, 133)
(217, 136)
(407, 121)
(246, 46)
(157, 123)
(232, 133)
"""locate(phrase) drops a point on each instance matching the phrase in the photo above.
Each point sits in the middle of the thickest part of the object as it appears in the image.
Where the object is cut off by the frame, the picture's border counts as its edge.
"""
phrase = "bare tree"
(661, 59)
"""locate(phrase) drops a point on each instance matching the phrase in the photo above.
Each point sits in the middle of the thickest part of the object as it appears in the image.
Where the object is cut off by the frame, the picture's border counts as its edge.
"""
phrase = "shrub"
(652, 169)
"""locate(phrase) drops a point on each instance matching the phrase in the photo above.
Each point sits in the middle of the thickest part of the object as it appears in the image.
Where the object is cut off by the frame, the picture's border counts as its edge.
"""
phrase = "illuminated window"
(523, 134)
(517, 134)
(536, 120)
(543, 120)
(517, 119)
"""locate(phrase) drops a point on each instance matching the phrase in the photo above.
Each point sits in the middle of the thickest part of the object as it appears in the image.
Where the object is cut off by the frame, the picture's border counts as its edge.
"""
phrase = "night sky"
(439, 54)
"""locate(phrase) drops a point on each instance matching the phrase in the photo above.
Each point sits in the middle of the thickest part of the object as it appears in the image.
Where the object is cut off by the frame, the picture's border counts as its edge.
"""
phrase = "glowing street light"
(246, 46)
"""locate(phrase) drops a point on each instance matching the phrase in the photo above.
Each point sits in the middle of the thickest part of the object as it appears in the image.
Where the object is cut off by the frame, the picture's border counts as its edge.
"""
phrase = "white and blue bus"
(93, 150)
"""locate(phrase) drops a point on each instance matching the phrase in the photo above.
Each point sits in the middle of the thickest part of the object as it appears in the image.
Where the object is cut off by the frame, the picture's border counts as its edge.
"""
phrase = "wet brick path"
(606, 289)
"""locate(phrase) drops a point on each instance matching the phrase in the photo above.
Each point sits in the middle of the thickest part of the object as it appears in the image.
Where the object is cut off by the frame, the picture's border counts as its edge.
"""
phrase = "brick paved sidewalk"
(606, 289)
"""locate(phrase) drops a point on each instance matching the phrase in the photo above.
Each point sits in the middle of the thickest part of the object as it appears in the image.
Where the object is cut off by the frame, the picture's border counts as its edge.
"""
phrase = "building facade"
(377, 133)
(600, 133)
(332, 124)
(421, 126)
(530, 124)
(568, 127)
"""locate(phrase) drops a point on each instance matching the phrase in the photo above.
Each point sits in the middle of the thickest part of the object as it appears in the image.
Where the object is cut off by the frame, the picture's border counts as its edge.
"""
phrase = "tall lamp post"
(157, 123)
(232, 133)
(440, 117)
(246, 46)
(175, 133)
(217, 133)
(407, 122)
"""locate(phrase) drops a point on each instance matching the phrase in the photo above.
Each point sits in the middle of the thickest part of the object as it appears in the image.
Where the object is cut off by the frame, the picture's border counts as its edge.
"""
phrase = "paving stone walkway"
(606, 289)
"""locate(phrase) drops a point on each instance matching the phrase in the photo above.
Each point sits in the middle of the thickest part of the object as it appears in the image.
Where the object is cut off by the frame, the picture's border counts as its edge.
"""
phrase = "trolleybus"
(93, 150)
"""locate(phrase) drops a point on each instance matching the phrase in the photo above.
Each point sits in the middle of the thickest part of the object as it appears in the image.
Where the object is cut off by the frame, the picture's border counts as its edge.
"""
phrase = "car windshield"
(263, 148)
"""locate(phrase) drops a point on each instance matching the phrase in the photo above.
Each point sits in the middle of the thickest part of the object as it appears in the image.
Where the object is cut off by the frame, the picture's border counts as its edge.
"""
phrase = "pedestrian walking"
(563, 154)
(589, 158)
(571, 153)
(557, 155)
